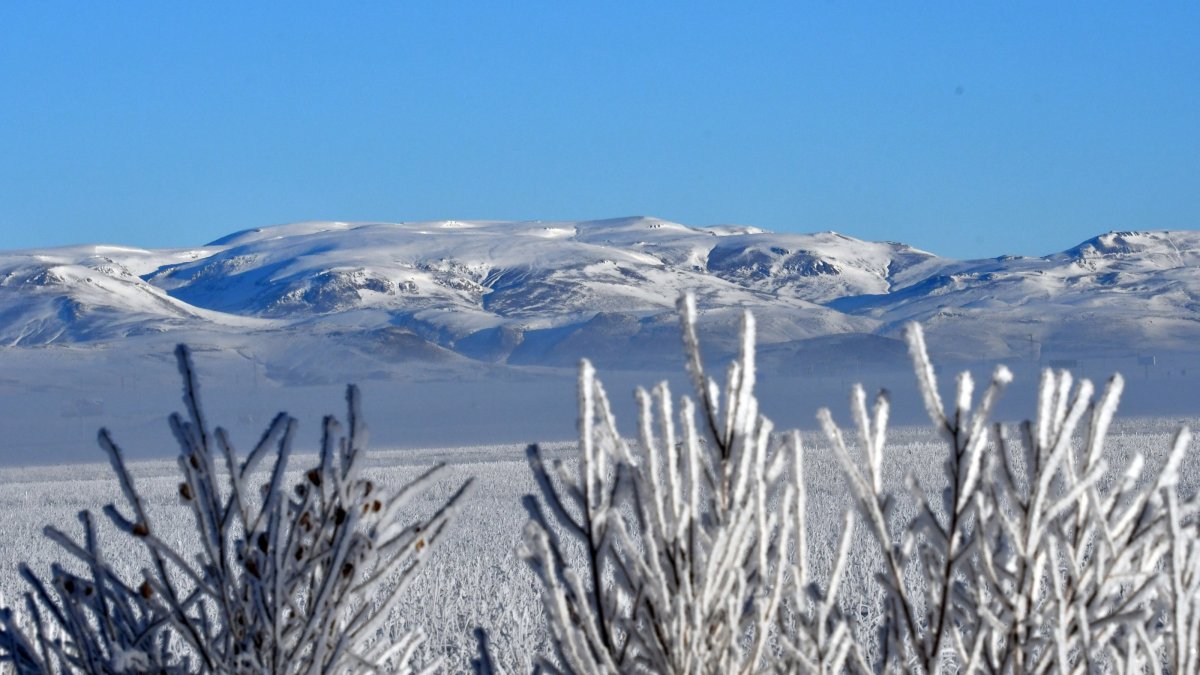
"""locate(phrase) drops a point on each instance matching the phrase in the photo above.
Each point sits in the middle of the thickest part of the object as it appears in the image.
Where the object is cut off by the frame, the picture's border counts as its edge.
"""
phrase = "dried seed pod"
(339, 516)
(262, 542)
(347, 569)
(146, 590)
(141, 529)
(314, 477)
(185, 492)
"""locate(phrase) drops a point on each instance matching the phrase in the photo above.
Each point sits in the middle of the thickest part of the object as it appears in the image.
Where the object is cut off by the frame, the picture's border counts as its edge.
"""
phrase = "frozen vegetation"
(710, 541)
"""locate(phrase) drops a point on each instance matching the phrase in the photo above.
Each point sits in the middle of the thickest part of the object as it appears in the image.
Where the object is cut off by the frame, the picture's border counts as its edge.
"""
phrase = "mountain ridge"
(544, 293)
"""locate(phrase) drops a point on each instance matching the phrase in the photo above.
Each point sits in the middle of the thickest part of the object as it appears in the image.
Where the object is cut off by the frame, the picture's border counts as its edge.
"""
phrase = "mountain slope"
(89, 293)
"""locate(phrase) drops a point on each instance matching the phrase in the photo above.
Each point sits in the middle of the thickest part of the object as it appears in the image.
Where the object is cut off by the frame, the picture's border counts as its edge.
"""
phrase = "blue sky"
(968, 129)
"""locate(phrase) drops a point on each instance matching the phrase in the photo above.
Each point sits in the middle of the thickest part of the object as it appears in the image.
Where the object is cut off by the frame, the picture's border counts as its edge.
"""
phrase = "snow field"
(474, 577)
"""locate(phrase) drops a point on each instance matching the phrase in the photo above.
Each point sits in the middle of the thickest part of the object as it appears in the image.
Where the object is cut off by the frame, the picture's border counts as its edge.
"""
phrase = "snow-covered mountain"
(465, 294)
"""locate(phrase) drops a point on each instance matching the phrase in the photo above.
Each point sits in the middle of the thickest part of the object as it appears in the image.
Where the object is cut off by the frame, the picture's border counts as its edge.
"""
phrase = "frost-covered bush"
(693, 539)
(279, 578)
(687, 551)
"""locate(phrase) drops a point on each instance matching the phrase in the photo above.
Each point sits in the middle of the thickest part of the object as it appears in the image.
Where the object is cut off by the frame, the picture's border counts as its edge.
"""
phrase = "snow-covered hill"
(1118, 293)
(466, 294)
(94, 293)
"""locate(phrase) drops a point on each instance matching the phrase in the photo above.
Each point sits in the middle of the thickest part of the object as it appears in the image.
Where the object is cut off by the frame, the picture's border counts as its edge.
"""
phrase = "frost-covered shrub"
(688, 537)
(1027, 561)
(282, 579)
(687, 552)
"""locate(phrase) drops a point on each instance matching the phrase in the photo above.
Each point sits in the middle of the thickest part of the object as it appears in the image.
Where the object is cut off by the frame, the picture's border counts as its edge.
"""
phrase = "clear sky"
(967, 128)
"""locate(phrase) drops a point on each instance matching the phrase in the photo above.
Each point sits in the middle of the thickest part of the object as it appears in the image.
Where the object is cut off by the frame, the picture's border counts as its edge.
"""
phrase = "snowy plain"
(474, 577)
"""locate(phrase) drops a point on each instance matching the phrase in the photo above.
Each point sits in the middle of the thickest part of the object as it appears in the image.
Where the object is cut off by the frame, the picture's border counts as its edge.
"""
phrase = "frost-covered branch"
(295, 579)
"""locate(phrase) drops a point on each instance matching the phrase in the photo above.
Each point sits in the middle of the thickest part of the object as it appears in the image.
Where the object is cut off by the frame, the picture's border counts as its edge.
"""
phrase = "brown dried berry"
(141, 529)
(252, 568)
(69, 585)
(339, 516)
(145, 590)
(314, 477)
(262, 542)
(185, 491)
(376, 506)
(420, 544)
(347, 569)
